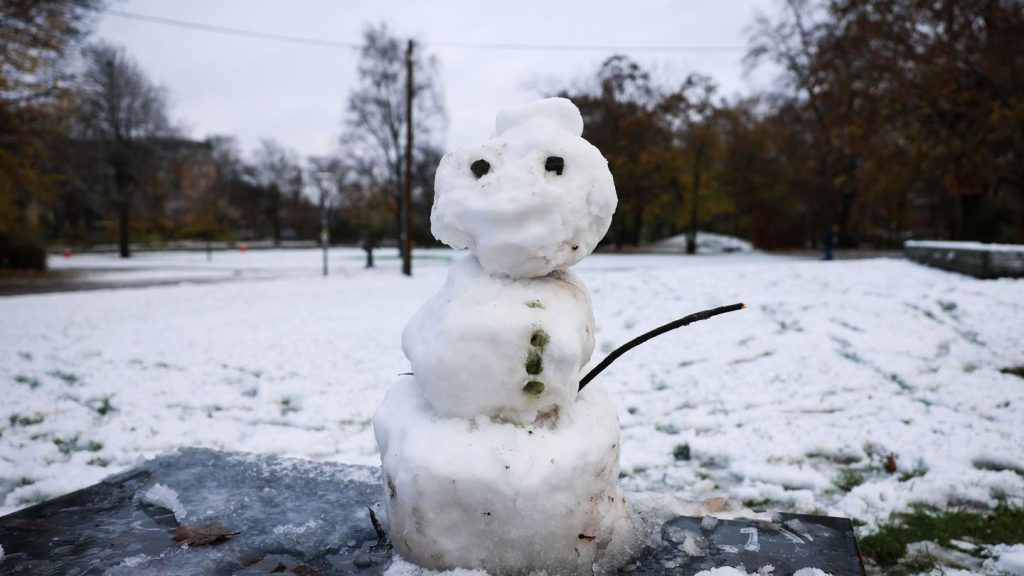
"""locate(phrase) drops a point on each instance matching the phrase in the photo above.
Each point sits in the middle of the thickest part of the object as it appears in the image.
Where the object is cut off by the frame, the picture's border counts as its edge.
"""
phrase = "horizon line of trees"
(891, 119)
(89, 154)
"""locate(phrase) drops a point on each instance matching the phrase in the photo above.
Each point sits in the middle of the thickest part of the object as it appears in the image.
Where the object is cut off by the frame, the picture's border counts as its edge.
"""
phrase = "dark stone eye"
(554, 164)
(480, 167)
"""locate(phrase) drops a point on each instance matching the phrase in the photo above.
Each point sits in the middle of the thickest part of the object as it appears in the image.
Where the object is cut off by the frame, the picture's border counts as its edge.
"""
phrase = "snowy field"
(795, 403)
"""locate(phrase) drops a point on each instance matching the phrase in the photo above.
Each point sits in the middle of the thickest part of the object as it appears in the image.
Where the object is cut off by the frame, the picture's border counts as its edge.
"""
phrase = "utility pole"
(407, 192)
(325, 233)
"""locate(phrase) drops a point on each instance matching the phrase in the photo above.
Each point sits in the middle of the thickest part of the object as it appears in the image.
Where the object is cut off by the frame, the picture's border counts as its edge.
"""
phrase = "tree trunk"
(691, 237)
(638, 225)
(123, 223)
(122, 188)
(275, 214)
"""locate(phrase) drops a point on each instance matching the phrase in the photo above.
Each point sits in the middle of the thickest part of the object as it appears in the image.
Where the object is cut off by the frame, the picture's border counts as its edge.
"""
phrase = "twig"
(654, 333)
(377, 529)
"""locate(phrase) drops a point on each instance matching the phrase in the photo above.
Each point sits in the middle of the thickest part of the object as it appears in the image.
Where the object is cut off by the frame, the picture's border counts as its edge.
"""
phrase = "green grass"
(103, 407)
(19, 420)
(849, 479)
(67, 377)
(1004, 525)
(29, 381)
(681, 452)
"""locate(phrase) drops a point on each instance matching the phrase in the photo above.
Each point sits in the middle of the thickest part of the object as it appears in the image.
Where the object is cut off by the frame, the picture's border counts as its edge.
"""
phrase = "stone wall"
(973, 258)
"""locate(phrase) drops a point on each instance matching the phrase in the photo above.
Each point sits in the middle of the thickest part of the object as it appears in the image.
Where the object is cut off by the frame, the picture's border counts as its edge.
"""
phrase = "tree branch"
(704, 315)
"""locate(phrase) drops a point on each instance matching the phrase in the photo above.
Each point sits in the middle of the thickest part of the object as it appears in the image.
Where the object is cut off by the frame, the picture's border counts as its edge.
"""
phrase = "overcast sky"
(257, 88)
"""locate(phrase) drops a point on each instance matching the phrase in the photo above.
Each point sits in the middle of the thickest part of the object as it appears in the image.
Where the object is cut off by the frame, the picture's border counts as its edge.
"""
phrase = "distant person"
(368, 246)
(829, 241)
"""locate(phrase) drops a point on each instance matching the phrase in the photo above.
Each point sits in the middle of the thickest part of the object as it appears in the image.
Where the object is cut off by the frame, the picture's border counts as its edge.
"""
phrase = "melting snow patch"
(293, 529)
(135, 561)
(811, 572)
(1007, 559)
(766, 570)
(164, 497)
(400, 567)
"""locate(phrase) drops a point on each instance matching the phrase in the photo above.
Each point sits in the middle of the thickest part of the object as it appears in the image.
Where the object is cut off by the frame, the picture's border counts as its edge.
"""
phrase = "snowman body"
(491, 456)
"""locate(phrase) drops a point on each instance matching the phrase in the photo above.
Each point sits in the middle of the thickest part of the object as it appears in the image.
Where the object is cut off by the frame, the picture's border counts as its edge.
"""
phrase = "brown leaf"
(890, 463)
(190, 535)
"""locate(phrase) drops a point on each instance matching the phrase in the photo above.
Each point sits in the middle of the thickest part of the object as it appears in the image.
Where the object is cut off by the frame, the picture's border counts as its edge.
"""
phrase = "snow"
(1, 553)
(731, 571)
(293, 529)
(707, 243)
(401, 567)
(1006, 559)
(164, 497)
(519, 218)
(833, 366)
(135, 561)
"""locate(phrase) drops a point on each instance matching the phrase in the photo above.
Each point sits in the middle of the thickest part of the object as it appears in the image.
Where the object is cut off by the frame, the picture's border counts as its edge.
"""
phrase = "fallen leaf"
(890, 463)
(190, 535)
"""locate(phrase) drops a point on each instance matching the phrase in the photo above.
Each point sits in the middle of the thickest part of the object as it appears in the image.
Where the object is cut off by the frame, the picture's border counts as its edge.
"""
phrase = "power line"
(234, 31)
(456, 45)
(587, 48)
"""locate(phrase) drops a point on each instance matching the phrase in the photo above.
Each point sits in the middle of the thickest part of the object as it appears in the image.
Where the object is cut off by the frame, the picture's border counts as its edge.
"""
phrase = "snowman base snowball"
(506, 498)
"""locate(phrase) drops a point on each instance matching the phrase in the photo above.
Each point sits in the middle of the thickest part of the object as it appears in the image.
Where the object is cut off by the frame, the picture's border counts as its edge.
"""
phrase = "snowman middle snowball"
(492, 458)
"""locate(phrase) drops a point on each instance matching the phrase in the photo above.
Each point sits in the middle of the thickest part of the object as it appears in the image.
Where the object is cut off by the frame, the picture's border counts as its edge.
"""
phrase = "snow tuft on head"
(547, 114)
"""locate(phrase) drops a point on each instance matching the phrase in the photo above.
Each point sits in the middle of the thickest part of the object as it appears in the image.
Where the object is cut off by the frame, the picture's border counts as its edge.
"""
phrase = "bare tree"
(278, 175)
(122, 110)
(376, 115)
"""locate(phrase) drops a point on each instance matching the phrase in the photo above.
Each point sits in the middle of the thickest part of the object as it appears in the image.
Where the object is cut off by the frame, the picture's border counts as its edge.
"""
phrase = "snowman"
(492, 457)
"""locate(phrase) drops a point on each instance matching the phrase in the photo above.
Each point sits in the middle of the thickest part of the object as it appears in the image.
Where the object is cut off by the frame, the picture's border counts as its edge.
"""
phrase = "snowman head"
(534, 198)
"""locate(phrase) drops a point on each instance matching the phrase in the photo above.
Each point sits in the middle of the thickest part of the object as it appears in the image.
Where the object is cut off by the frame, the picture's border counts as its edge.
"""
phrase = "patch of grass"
(669, 429)
(1004, 525)
(103, 407)
(919, 563)
(288, 405)
(67, 377)
(681, 452)
(762, 504)
(19, 420)
(849, 479)
(67, 445)
(73, 444)
(911, 474)
(29, 381)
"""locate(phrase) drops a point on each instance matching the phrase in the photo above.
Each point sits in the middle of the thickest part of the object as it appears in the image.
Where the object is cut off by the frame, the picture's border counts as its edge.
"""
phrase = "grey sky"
(256, 89)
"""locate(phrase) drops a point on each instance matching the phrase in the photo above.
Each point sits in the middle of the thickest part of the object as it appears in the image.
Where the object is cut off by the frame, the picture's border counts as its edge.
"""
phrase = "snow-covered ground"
(833, 367)
(707, 243)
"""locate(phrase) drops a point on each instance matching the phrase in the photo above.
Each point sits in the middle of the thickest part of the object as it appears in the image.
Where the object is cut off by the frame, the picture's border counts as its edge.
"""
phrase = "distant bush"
(19, 250)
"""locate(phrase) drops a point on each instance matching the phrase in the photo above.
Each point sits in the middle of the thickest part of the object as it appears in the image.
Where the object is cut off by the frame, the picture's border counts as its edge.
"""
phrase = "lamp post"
(322, 178)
